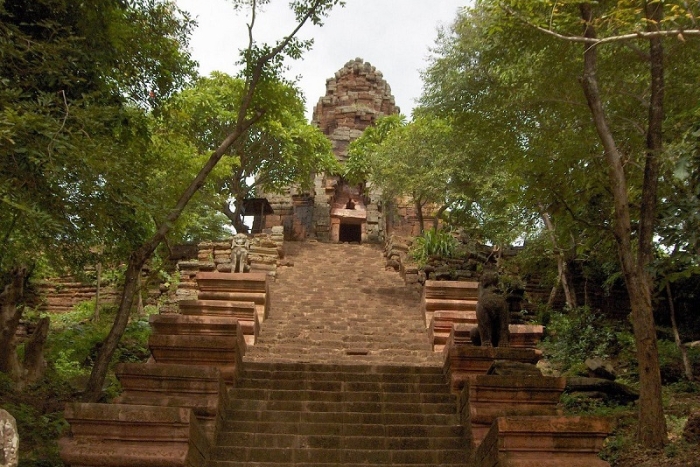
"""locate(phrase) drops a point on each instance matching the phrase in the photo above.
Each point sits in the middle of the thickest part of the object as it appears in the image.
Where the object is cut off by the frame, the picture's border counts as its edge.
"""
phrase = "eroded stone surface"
(552, 441)
(9, 440)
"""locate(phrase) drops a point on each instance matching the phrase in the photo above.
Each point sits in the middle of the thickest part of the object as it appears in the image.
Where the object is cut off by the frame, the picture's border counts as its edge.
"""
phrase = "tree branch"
(595, 41)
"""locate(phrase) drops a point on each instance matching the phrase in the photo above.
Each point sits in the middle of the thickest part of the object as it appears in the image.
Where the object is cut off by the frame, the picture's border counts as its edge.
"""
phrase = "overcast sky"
(393, 35)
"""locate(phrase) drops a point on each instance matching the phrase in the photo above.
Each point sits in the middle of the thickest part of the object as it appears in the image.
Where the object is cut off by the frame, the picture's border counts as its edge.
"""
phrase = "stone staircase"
(339, 305)
(330, 364)
(324, 414)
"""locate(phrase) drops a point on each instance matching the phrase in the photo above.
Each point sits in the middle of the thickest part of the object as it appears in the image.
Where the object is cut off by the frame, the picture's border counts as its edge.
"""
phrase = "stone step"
(371, 391)
(451, 290)
(177, 324)
(221, 352)
(371, 439)
(353, 374)
(232, 282)
(334, 402)
(342, 329)
(464, 361)
(337, 348)
(311, 456)
(347, 424)
(369, 359)
(522, 336)
(260, 300)
(251, 420)
(491, 396)
(245, 312)
(237, 309)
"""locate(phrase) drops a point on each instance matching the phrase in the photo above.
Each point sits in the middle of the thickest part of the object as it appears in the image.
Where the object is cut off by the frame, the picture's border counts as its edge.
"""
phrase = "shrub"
(575, 335)
(434, 243)
(671, 362)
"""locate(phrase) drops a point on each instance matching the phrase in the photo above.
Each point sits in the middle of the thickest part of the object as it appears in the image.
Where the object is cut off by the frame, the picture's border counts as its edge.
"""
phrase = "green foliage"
(671, 362)
(74, 133)
(433, 242)
(75, 338)
(40, 431)
(280, 150)
(525, 124)
(575, 335)
(362, 152)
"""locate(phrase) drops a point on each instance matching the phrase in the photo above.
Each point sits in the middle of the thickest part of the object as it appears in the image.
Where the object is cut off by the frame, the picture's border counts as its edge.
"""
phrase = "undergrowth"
(72, 345)
(433, 242)
(577, 334)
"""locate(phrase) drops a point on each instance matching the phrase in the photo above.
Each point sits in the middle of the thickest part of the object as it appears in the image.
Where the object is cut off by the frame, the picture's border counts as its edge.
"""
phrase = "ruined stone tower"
(335, 211)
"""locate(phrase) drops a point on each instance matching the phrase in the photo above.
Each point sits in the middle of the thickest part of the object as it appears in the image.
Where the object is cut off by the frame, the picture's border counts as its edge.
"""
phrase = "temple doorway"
(350, 233)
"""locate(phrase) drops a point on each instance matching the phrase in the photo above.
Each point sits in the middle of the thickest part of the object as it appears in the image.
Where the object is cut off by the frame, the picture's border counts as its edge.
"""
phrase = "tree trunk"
(687, 367)
(436, 219)
(651, 431)
(96, 315)
(139, 297)
(419, 214)
(138, 259)
(235, 216)
(34, 362)
(10, 314)
(561, 262)
(652, 426)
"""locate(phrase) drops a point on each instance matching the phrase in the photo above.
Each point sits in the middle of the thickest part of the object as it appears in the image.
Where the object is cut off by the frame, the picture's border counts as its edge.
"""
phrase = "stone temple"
(336, 211)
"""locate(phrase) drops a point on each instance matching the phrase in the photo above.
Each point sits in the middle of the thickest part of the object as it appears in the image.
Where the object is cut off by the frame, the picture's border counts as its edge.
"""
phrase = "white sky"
(393, 35)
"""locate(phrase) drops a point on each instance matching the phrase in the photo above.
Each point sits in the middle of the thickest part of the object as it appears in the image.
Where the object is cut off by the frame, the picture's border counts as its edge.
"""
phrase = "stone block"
(522, 336)
(546, 441)
(244, 312)
(259, 298)
(451, 290)
(232, 282)
(201, 389)
(463, 361)
(492, 396)
(121, 435)
(442, 322)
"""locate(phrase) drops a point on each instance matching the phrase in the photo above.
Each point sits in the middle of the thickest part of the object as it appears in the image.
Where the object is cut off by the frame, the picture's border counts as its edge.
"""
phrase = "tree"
(73, 127)
(422, 161)
(261, 65)
(620, 166)
(281, 150)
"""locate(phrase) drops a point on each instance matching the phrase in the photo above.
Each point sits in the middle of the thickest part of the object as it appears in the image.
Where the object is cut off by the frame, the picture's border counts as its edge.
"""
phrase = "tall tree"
(281, 150)
(261, 65)
(73, 126)
(619, 172)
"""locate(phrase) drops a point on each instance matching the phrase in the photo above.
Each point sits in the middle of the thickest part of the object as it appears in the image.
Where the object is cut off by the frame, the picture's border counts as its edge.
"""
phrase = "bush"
(671, 361)
(575, 335)
(434, 243)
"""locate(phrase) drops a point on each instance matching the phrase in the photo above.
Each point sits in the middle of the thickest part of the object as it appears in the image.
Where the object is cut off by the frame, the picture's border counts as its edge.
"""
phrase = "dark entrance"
(350, 233)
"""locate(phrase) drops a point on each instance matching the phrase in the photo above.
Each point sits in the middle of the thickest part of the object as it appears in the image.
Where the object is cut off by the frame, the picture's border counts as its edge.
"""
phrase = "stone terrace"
(337, 304)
